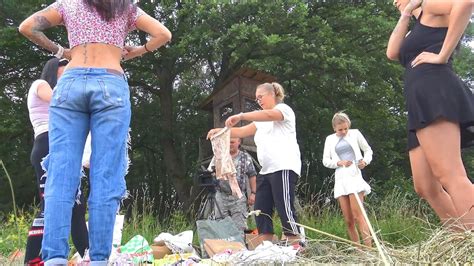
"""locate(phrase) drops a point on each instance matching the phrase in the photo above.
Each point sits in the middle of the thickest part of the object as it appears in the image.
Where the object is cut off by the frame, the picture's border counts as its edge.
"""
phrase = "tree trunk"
(175, 169)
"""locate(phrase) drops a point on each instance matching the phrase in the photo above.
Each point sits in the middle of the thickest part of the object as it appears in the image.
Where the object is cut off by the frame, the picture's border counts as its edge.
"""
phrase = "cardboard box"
(253, 240)
(216, 246)
(159, 251)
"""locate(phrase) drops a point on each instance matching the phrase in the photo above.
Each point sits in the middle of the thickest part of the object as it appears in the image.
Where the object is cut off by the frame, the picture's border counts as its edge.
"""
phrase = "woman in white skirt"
(342, 151)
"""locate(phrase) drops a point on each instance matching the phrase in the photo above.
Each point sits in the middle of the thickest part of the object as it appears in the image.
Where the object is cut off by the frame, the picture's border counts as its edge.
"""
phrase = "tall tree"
(329, 56)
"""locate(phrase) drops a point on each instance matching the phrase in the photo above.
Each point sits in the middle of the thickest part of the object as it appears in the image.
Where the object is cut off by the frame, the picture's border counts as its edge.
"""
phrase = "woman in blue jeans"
(92, 94)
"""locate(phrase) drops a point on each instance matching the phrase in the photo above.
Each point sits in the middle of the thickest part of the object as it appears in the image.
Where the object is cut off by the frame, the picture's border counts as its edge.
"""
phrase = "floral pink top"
(84, 24)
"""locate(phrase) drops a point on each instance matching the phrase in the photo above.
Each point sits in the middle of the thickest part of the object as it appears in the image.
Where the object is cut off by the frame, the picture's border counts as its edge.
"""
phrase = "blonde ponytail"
(276, 89)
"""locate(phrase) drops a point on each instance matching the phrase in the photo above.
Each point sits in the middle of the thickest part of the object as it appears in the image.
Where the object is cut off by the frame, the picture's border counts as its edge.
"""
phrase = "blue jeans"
(86, 99)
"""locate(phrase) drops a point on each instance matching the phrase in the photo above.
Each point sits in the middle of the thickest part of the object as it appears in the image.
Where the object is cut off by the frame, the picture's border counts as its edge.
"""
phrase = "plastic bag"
(137, 249)
(218, 229)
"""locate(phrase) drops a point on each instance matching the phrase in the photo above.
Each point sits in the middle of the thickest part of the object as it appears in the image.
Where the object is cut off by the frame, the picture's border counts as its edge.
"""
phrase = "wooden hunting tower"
(235, 95)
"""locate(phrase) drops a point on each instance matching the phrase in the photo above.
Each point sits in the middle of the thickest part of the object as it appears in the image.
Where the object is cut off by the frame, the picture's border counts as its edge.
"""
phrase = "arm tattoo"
(41, 23)
(37, 36)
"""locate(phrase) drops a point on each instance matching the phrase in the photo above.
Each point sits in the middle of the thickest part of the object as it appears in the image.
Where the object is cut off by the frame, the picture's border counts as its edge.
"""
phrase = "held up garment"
(225, 168)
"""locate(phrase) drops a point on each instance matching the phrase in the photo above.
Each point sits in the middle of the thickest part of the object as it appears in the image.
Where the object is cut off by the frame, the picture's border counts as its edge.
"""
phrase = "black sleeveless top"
(434, 91)
(422, 39)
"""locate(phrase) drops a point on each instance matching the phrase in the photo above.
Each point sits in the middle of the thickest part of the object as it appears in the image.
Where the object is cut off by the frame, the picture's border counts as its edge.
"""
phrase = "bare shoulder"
(438, 7)
(444, 7)
(436, 12)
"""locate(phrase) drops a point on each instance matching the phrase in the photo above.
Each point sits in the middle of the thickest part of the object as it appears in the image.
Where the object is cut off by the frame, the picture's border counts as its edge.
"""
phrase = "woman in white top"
(342, 151)
(274, 131)
(39, 96)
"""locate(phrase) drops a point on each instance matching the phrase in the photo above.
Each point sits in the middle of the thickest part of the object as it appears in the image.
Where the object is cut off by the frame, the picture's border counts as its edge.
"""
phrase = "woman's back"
(94, 40)
(38, 109)
(96, 31)
(96, 55)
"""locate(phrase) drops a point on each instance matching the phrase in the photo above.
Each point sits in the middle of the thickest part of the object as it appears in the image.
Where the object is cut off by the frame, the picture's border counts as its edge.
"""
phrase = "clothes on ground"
(266, 253)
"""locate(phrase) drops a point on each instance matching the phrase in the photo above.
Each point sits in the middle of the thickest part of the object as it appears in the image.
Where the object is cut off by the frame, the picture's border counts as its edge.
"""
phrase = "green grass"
(14, 230)
(146, 224)
(399, 218)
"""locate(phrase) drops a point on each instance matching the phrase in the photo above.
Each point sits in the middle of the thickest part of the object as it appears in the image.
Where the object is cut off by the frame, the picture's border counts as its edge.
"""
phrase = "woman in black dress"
(440, 106)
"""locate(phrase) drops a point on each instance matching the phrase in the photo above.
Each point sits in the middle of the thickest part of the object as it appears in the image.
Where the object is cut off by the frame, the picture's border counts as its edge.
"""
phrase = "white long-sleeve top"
(357, 142)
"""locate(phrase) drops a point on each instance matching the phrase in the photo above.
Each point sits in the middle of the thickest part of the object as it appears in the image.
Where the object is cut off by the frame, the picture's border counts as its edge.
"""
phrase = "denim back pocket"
(61, 91)
(114, 92)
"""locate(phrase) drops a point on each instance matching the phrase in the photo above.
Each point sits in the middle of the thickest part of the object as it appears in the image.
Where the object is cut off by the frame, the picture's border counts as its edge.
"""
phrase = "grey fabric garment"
(344, 150)
(229, 205)
(224, 186)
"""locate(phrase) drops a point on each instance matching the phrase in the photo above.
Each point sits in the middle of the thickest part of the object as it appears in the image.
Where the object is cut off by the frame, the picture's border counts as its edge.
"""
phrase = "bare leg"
(440, 142)
(348, 218)
(359, 218)
(429, 188)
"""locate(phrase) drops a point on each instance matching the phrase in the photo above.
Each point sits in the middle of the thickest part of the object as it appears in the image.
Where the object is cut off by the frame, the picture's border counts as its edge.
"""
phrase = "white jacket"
(357, 142)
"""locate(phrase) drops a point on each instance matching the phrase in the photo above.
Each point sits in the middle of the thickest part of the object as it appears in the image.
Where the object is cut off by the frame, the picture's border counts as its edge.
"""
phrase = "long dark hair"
(50, 70)
(109, 9)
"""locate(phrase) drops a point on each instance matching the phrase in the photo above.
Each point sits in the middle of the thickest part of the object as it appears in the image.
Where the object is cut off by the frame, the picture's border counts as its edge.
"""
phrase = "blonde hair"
(340, 117)
(274, 87)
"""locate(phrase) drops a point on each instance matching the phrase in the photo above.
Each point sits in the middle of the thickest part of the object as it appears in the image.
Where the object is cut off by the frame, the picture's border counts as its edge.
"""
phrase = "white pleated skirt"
(348, 180)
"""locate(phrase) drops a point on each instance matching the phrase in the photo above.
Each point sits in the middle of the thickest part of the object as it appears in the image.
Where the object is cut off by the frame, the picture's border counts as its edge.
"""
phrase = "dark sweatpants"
(276, 190)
